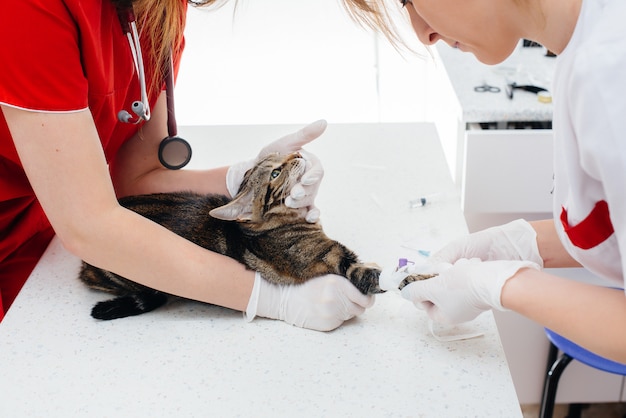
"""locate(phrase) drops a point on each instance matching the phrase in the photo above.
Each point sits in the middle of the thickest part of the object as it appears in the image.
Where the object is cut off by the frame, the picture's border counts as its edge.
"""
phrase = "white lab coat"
(589, 123)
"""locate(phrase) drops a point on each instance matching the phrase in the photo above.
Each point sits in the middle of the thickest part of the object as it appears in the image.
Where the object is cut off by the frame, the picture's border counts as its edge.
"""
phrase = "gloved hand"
(302, 194)
(516, 240)
(322, 303)
(464, 290)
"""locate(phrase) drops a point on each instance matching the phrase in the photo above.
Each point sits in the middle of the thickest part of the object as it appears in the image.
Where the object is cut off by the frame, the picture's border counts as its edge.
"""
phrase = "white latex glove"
(302, 194)
(516, 240)
(322, 303)
(464, 290)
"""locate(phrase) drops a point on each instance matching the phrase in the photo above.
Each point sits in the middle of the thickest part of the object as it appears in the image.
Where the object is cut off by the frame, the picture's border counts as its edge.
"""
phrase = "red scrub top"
(56, 56)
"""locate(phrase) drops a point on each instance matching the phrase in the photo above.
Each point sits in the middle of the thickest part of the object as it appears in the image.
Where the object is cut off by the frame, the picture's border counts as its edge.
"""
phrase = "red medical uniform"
(56, 56)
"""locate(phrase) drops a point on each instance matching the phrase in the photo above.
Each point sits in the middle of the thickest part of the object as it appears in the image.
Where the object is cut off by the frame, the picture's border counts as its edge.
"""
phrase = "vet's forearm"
(592, 316)
(551, 249)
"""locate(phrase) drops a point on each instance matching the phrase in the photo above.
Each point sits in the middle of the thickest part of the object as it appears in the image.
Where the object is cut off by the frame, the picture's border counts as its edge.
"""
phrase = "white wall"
(293, 61)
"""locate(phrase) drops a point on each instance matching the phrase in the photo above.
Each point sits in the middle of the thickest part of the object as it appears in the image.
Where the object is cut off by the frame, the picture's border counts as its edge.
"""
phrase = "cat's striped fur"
(255, 228)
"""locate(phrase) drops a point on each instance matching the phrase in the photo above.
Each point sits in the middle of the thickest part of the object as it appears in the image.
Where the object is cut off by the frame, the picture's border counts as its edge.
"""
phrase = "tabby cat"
(255, 228)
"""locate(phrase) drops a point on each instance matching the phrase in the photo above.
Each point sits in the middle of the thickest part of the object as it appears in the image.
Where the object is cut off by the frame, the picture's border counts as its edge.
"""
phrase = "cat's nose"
(297, 158)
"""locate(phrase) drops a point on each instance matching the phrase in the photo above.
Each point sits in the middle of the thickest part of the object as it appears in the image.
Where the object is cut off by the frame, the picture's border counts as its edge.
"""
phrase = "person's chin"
(488, 59)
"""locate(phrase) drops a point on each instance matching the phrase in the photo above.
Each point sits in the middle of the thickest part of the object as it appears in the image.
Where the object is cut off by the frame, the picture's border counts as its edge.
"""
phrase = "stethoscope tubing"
(174, 152)
(129, 27)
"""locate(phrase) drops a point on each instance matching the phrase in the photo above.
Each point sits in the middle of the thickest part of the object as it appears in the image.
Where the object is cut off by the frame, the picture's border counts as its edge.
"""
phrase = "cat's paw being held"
(366, 279)
(414, 278)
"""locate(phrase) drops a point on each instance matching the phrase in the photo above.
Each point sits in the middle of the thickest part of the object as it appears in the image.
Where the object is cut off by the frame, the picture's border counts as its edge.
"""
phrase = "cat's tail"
(129, 305)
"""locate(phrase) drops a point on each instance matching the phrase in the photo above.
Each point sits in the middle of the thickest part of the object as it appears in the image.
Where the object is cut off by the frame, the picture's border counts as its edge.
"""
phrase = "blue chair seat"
(556, 366)
(585, 356)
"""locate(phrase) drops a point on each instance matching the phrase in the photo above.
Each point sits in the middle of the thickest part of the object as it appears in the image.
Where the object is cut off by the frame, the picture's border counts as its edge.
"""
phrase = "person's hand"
(464, 290)
(322, 303)
(303, 193)
(516, 240)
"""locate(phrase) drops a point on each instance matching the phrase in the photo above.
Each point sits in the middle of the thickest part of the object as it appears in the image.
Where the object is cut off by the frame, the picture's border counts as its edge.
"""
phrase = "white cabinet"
(506, 174)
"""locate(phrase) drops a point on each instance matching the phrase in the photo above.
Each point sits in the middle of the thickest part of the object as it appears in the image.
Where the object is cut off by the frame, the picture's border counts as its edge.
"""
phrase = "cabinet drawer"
(507, 171)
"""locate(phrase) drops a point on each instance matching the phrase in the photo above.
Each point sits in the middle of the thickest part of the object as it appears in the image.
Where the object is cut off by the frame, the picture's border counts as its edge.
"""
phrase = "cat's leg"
(366, 278)
(414, 278)
(129, 305)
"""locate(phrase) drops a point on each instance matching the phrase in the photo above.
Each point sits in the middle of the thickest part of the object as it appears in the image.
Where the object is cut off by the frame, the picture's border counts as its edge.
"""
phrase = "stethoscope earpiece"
(138, 109)
(141, 108)
(124, 116)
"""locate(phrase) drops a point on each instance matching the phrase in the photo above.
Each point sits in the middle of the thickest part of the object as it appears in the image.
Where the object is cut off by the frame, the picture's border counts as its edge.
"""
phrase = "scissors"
(511, 87)
(487, 88)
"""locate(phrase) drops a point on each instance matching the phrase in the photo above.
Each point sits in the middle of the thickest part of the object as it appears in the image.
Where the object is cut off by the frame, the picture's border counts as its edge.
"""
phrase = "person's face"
(482, 27)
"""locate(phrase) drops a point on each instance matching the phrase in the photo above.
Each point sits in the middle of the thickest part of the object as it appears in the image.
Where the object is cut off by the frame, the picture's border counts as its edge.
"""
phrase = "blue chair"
(556, 366)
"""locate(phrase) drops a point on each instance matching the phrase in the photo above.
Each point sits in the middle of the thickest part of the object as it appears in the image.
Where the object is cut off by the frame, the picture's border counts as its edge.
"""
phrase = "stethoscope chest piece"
(174, 152)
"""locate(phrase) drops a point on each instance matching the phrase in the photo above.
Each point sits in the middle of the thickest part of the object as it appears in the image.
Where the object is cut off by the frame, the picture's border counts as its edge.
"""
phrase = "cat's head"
(264, 189)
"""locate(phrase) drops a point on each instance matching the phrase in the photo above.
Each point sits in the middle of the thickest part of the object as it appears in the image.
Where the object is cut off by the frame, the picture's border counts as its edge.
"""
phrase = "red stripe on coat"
(591, 231)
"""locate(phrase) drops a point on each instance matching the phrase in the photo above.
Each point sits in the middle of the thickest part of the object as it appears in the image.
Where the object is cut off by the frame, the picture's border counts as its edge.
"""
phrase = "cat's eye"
(275, 173)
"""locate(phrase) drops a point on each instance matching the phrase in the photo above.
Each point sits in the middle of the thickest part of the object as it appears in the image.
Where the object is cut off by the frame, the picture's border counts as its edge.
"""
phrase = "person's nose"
(426, 34)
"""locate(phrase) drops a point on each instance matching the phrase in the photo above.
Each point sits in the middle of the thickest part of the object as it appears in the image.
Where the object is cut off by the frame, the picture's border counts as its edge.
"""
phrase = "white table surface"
(189, 359)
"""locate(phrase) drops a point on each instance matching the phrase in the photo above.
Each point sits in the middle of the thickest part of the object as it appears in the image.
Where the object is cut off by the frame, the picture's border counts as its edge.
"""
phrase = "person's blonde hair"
(376, 15)
(162, 23)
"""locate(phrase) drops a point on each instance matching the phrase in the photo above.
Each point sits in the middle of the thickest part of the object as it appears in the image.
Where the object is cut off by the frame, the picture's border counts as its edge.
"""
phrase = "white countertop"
(189, 359)
(525, 66)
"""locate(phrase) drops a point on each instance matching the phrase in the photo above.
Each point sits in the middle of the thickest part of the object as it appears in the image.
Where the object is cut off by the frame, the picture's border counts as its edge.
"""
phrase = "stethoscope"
(174, 152)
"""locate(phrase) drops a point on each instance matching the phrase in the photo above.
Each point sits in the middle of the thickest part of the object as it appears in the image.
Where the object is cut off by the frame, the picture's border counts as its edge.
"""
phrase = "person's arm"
(64, 161)
(592, 316)
(550, 247)
(137, 170)
(65, 164)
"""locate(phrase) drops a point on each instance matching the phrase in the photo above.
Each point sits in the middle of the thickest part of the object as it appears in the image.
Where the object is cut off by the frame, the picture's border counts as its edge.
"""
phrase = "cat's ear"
(240, 210)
